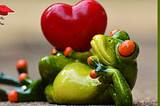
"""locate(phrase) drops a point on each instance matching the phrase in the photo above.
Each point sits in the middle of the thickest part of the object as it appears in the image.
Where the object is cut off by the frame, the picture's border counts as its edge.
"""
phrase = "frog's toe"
(13, 96)
(25, 79)
(89, 60)
(22, 76)
(21, 66)
(93, 74)
(54, 51)
(93, 61)
(67, 51)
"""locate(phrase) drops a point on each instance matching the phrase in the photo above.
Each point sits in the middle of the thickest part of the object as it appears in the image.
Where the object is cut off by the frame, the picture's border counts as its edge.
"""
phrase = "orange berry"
(93, 74)
(113, 32)
(126, 48)
(89, 59)
(22, 76)
(13, 96)
(53, 51)
(67, 51)
(21, 64)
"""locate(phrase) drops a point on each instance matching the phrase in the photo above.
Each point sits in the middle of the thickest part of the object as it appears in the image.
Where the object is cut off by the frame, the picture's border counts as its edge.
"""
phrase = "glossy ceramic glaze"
(70, 77)
(72, 74)
(117, 74)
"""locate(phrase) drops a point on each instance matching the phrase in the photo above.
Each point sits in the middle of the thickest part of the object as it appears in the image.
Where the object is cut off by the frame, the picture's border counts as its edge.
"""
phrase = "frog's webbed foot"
(24, 88)
(31, 92)
(4, 79)
(21, 67)
(117, 85)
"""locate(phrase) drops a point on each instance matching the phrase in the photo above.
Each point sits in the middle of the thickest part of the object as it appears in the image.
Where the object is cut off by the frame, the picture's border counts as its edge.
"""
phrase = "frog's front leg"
(117, 85)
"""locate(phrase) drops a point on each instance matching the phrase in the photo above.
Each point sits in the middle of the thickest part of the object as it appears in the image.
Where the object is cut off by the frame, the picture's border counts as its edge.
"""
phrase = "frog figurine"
(105, 76)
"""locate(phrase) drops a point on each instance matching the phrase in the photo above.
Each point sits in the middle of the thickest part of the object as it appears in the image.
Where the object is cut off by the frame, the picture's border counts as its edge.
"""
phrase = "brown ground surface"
(21, 37)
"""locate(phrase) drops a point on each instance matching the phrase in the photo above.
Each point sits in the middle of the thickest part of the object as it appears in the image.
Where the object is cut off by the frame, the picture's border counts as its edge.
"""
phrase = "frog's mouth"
(99, 48)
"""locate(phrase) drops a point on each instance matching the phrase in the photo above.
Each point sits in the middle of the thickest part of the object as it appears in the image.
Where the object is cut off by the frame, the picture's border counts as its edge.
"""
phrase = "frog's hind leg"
(32, 92)
(4, 95)
(25, 89)
(50, 66)
(49, 93)
(21, 68)
(4, 79)
(29, 90)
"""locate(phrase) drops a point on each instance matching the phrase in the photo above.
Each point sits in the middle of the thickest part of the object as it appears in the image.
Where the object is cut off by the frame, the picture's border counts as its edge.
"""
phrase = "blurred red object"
(4, 10)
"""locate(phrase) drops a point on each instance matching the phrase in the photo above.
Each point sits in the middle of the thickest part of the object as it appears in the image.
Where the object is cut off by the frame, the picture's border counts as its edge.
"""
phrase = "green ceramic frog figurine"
(67, 77)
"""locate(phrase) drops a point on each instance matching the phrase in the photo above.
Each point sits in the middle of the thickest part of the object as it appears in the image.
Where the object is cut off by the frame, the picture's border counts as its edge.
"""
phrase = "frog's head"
(114, 49)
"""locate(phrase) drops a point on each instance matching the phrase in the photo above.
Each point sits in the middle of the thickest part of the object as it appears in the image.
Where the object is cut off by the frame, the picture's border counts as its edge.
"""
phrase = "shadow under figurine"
(67, 77)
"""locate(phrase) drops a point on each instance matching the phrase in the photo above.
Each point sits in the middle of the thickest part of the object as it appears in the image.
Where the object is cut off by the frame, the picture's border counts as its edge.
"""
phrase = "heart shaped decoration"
(65, 25)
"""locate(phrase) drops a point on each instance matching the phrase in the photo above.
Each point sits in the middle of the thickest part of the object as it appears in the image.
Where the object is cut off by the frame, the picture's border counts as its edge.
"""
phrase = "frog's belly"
(73, 85)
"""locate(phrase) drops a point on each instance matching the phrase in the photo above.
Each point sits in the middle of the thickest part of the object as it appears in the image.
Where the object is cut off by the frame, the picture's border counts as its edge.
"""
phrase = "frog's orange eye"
(126, 48)
(113, 32)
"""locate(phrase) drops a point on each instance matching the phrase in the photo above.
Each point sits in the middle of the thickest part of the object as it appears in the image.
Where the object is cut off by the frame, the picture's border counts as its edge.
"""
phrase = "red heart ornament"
(65, 25)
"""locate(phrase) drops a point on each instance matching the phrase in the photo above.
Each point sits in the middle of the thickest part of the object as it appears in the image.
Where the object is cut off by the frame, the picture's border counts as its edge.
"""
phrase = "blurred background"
(21, 37)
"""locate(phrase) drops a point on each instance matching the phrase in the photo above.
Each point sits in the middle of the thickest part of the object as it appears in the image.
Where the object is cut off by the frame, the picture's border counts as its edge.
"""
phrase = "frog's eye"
(126, 48)
(119, 34)
(113, 32)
